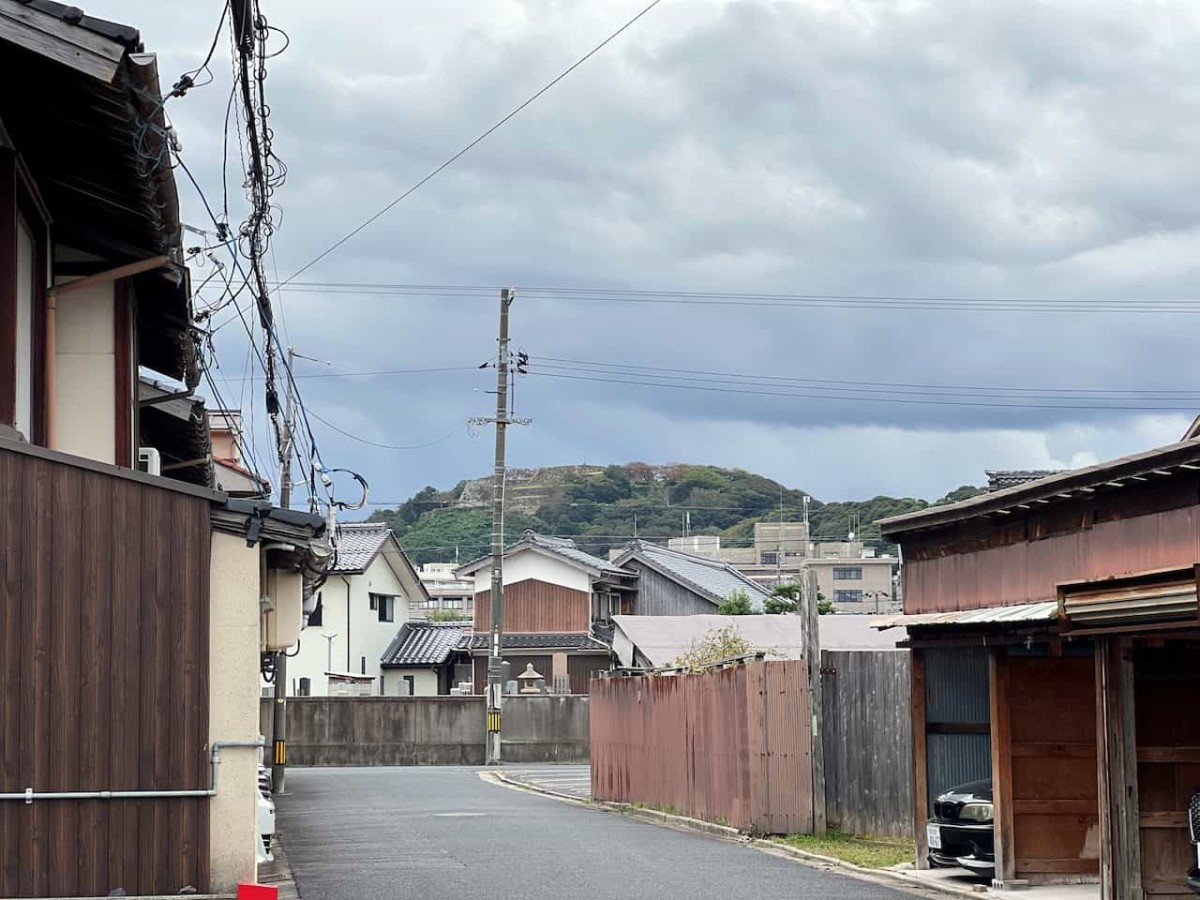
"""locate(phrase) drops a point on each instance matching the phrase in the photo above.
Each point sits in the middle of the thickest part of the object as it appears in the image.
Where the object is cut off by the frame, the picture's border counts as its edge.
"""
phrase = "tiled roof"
(72, 15)
(565, 547)
(357, 545)
(1000, 479)
(562, 547)
(423, 644)
(710, 578)
(557, 641)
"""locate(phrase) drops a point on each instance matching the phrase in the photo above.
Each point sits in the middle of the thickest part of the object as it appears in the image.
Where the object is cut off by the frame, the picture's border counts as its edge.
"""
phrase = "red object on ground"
(257, 892)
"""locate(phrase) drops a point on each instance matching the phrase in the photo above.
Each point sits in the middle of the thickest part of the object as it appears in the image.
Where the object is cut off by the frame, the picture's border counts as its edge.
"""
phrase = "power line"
(755, 299)
(471, 146)
(362, 440)
(811, 395)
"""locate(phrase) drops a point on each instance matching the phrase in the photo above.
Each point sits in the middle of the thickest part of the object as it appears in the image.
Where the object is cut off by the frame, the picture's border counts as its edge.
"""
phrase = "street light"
(329, 653)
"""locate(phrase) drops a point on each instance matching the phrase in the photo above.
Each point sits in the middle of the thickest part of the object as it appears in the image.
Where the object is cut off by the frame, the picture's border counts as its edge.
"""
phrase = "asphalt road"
(415, 833)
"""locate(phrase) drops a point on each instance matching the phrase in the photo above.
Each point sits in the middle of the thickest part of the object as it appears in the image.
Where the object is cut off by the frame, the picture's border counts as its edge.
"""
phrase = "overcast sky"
(997, 151)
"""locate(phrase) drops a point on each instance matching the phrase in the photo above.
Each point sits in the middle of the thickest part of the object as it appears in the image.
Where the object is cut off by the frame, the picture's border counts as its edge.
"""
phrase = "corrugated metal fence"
(730, 746)
(866, 731)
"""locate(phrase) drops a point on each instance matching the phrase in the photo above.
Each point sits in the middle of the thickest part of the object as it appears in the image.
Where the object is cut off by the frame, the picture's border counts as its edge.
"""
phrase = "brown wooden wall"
(580, 667)
(1003, 568)
(1167, 683)
(537, 606)
(104, 610)
(1051, 704)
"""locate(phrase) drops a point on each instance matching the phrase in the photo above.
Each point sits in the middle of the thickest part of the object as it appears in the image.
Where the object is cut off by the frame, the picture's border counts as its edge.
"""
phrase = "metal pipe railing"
(29, 795)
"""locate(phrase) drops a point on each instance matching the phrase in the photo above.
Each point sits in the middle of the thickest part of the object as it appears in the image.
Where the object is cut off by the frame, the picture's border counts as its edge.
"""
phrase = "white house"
(359, 610)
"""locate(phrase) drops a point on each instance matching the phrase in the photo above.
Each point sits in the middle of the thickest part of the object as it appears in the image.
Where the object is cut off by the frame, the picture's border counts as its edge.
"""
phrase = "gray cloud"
(1010, 150)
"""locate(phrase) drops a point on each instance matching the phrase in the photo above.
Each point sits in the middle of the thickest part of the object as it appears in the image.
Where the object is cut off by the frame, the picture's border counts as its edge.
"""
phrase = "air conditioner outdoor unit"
(149, 460)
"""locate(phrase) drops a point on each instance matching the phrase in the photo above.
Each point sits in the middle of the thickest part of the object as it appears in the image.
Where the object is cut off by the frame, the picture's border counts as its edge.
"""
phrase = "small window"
(847, 596)
(363, 665)
(385, 606)
(317, 615)
(847, 573)
(452, 603)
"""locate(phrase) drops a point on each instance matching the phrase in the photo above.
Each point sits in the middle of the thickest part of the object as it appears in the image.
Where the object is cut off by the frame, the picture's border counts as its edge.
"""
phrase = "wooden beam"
(109, 275)
(999, 684)
(51, 37)
(1054, 808)
(1116, 763)
(920, 771)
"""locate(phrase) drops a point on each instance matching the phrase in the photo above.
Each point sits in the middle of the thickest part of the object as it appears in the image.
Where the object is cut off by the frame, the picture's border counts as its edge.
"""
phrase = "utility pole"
(495, 676)
(279, 709)
(812, 655)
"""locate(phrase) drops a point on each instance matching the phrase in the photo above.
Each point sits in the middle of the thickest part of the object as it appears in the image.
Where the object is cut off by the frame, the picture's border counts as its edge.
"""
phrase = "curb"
(279, 872)
(887, 877)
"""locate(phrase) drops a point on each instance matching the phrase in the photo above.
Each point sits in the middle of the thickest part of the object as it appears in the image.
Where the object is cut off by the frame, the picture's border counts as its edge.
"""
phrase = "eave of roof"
(1154, 464)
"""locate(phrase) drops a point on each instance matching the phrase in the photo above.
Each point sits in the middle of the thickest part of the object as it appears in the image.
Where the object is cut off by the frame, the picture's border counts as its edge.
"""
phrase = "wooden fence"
(866, 733)
(104, 623)
(731, 746)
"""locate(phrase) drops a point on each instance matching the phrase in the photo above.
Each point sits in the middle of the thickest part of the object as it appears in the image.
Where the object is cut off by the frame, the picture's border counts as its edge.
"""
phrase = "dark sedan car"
(960, 834)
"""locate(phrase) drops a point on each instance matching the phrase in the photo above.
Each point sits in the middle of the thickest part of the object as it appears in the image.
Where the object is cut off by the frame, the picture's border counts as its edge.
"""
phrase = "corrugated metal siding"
(660, 596)
(956, 759)
(956, 693)
(104, 605)
(956, 685)
(731, 745)
(538, 607)
(1029, 571)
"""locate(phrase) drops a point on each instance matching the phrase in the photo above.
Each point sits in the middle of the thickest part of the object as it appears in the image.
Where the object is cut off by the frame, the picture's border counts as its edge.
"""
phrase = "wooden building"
(558, 607)
(1056, 648)
(134, 605)
(673, 583)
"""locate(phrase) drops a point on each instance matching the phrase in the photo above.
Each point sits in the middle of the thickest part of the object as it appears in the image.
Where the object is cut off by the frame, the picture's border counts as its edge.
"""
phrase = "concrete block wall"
(429, 731)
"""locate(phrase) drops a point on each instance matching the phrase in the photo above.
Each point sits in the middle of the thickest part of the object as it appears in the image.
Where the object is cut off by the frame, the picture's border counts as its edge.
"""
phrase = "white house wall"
(368, 637)
(531, 564)
(233, 708)
(85, 360)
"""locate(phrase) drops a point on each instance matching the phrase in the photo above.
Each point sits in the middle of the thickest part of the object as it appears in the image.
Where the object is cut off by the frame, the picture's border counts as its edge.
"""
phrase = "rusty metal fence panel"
(731, 746)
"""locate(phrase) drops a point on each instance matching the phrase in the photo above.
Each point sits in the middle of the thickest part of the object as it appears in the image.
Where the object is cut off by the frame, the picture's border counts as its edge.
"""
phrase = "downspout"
(347, 580)
(29, 794)
(51, 398)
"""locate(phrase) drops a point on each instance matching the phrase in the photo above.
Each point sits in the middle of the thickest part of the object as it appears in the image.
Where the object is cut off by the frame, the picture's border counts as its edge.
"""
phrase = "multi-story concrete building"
(447, 593)
(847, 572)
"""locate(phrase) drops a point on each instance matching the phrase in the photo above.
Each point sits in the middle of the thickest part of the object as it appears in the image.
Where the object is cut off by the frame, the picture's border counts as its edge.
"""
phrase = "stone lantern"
(531, 681)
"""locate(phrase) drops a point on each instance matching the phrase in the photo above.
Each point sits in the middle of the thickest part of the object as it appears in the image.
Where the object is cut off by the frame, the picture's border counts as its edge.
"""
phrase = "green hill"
(603, 507)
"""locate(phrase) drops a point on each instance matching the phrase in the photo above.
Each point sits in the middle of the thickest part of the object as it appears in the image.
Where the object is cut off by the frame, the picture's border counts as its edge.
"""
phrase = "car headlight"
(977, 812)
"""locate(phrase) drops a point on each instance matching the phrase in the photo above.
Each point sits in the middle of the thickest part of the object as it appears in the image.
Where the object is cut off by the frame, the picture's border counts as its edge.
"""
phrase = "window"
(769, 558)
(847, 596)
(385, 605)
(452, 603)
(847, 573)
(318, 614)
(410, 686)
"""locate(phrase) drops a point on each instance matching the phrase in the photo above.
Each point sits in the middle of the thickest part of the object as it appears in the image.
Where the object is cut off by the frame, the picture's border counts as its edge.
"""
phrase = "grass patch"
(870, 853)
(668, 809)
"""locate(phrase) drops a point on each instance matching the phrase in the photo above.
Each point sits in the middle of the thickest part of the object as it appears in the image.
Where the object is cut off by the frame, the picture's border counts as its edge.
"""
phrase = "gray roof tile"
(547, 641)
(423, 644)
(357, 545)
(708, 577)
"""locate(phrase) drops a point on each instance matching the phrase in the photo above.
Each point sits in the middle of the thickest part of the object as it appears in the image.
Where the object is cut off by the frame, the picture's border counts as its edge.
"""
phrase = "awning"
(1148, 600)
(1025, 613)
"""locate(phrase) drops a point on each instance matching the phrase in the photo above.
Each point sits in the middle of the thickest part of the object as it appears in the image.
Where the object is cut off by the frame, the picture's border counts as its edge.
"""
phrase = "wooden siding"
(104, 659)
(978, 575)
(866, 730)
(658, 595)
(536, 606)
(1166, 683)
(1050, 761)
